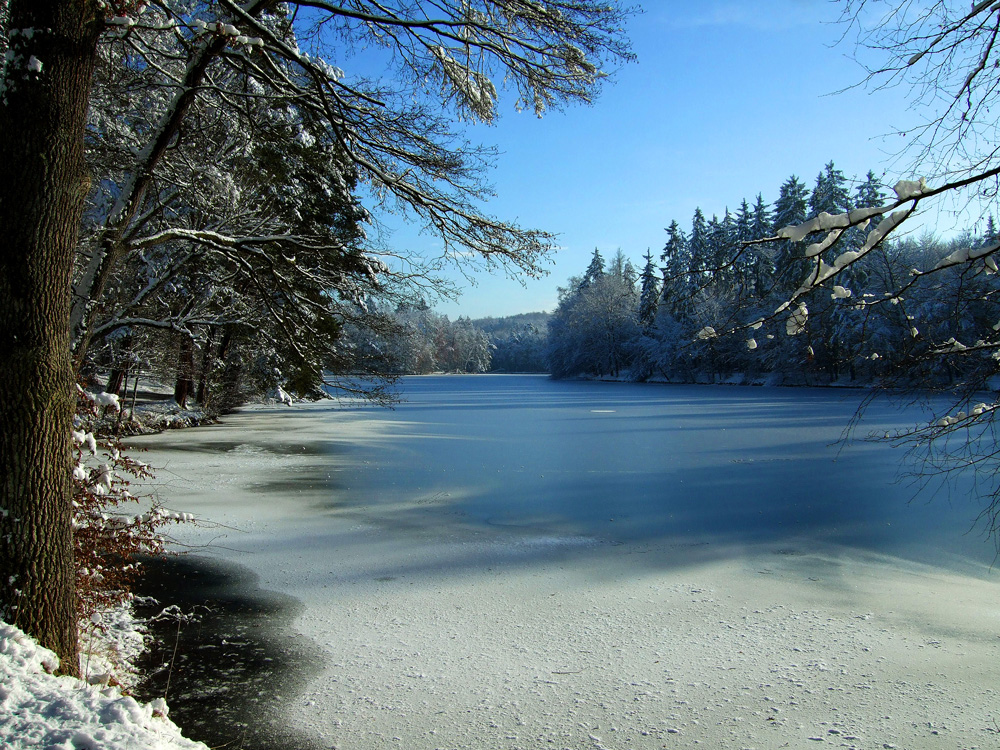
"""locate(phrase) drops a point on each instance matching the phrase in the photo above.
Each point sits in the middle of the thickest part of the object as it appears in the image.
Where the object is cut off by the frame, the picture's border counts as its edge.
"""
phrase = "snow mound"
(40, 710)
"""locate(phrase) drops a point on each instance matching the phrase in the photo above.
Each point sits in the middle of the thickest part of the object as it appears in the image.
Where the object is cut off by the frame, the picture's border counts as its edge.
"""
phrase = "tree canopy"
(233, 168)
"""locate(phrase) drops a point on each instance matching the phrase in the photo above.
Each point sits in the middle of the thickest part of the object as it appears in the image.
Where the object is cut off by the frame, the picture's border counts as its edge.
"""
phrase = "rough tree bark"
(43, 183)
(205, 374)
(184, 383)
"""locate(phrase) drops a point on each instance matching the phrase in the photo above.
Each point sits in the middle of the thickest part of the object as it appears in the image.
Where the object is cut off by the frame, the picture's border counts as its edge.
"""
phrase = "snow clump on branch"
(796, 322)
(476, 90)
(908, 189)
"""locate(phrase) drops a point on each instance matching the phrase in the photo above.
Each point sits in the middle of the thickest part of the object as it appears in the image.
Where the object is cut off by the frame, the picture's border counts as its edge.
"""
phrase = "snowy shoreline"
(759, 649)
(40, 710)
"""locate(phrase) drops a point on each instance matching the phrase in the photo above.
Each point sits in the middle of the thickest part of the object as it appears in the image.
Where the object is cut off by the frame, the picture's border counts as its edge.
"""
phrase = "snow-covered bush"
(111, 530)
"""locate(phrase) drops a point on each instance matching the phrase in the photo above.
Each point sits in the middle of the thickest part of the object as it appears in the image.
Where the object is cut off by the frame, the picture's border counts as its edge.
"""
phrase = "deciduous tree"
(450, 57)
(45, 89)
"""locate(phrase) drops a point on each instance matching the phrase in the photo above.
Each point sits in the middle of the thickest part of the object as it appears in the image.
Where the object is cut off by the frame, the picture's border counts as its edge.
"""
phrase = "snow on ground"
(440, 632)
(110, 646)
(43, 712)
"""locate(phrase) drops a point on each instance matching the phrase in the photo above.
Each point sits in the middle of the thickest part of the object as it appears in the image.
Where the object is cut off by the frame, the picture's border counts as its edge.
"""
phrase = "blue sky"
(726, 100)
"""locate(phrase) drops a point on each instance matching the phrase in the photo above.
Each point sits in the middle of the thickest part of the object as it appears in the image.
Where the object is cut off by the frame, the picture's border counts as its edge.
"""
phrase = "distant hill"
(538, 319)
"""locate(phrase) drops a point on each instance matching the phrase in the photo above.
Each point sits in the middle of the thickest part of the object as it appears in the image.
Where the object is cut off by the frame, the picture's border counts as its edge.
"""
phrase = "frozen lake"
(460, 561)
(638, 462)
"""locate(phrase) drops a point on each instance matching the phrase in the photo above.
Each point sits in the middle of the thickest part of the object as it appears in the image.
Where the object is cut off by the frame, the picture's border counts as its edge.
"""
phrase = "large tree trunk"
(184, 382)
(204, 377)
(42, 188)
(116, 379)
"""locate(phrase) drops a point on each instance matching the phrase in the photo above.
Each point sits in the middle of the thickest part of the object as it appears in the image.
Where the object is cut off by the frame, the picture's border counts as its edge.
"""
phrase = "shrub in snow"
(110, 534)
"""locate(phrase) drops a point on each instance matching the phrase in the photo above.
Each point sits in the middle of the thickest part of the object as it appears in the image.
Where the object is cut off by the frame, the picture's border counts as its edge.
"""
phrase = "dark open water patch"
(232, 662)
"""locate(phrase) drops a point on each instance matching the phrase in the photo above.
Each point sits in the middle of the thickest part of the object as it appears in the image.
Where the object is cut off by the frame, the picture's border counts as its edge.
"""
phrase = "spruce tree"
(760, 259)
(746, 256)
(830, 194)
(594, 271)
(720, 250)
(869, 193)
(676, 259)
(760, 225)
(791, 206)
(790, 209)
(675, 256)
(699, 253)
(744, 220)
(649, 296)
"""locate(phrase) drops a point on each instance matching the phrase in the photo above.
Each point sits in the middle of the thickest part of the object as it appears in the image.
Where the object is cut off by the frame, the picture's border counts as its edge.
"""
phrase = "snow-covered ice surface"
(511, 562)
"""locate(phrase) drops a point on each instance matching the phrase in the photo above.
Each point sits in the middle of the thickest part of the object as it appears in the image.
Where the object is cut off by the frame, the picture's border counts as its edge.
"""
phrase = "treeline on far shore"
(423, 341)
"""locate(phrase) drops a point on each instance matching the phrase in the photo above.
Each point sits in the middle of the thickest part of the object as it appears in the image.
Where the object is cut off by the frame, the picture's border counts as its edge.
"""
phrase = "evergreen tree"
(649, 296)
(760, 258)
(744, 256)
(830, 193)
(719, 250)
(699, 253)
(728, 250)
(729, 227)
(870, 193)
(744, 221)
(760, 225)
(594, 271)
(791, 206)
(676, 258)
(790, 209)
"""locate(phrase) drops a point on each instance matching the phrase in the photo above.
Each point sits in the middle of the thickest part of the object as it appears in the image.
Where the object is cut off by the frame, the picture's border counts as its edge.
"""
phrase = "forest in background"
(715, 304)
(421, 341)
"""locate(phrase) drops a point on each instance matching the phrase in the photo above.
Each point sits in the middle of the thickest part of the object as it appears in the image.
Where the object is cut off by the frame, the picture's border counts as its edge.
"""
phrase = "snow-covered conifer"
(649, 296)
(699, 246)
(595, 270)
